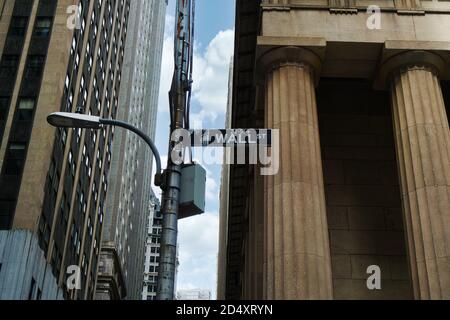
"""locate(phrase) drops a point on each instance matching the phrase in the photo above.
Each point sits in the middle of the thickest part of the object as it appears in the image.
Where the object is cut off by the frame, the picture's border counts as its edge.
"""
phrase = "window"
(15, 158)
(66, 83)
(9, 65)
(4, 106)
(18, 26)
(26, 109)
(43, 26)
(35, 65)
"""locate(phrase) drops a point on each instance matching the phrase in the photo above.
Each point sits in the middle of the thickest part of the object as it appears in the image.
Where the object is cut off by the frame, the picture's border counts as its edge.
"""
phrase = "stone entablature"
(351, 48)
(401, 5)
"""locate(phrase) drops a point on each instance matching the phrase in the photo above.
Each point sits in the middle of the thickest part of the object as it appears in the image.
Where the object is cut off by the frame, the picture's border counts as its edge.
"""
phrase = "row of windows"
(8, 71)
(19, 26)
(33, 68)
(152, 279)
(154, 259)
(155, 250)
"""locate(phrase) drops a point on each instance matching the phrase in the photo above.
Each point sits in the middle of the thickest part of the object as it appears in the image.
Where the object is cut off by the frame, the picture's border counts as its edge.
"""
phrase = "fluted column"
(423, 152)
(297, 255)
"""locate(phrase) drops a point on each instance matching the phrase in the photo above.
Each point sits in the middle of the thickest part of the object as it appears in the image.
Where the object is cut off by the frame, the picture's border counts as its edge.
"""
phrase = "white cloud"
(212, 187)
(198, 245)
(211, 70)
(167, 64)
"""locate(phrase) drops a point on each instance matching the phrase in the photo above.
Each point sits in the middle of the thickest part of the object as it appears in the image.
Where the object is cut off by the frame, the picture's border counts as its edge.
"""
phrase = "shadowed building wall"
(362, 190)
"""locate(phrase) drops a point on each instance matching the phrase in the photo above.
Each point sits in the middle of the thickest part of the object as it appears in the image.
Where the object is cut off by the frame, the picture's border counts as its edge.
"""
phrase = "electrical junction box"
(192, 193)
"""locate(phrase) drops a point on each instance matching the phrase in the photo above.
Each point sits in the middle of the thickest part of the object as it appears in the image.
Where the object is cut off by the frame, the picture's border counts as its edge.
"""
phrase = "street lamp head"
(73, 120)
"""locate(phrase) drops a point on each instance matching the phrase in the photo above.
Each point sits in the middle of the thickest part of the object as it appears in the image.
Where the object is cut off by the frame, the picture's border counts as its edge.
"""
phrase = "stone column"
(423, 152)
(297, 254)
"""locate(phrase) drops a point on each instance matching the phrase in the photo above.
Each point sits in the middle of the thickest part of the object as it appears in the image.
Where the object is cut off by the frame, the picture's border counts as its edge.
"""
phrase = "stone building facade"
(361, 97)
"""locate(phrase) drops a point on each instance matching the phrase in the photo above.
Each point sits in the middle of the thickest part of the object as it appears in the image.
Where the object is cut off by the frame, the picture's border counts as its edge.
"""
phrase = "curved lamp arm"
(122, 124)
(84, 121)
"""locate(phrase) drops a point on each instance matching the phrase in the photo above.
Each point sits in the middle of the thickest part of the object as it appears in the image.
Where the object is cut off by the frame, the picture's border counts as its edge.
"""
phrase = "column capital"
(404, 61)
(275, 52)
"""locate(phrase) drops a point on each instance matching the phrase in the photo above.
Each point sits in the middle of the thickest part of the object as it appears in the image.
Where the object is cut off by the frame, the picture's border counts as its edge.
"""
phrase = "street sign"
(230, 137)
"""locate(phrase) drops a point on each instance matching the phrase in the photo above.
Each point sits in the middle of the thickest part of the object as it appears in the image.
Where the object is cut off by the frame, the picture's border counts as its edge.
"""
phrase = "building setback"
(53, 182)
(128, 201)
(364, 174)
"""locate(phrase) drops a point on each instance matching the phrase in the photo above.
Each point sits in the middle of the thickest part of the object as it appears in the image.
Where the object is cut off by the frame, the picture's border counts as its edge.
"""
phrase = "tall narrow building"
(121, 270)
(64, 55)
(360, 97)
(152, 250)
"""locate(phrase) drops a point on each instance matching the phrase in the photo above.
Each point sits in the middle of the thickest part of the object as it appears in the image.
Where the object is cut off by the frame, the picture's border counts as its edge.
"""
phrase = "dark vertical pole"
(172, 175)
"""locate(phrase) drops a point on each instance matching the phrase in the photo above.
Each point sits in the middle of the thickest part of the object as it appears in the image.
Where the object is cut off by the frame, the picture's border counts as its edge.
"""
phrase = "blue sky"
(198, 236)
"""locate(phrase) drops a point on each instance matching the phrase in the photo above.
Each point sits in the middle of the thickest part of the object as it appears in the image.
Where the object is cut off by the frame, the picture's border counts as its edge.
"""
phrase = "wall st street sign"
(241, 146)
(230, 137)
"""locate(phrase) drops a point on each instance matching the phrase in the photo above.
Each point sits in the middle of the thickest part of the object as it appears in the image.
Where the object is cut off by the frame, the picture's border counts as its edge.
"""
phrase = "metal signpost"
(170, 181)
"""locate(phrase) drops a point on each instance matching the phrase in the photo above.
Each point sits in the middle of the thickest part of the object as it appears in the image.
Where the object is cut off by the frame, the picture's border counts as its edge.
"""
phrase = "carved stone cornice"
(272, 52)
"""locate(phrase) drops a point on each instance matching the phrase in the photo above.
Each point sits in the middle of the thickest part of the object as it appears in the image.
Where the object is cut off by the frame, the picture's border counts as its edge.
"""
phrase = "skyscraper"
(360, 96)
(67, 56)
(126, 211)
